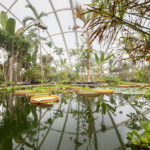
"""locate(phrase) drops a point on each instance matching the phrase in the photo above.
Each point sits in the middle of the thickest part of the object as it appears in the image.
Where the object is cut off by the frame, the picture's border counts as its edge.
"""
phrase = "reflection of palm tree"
(15, 124)
(51, 123)
(87, 119)
(116, 129)
(77, 143)
(63, 129)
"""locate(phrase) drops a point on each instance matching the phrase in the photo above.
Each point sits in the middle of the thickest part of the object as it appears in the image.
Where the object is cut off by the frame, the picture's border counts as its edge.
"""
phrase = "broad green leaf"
(10, 26)
(135, 142)
(102, 57)
(3, 19)
(145, 125)
(144, 140)
(147, 134)
(137, 134)
(97, 59)
(130, 135)
(108, 57)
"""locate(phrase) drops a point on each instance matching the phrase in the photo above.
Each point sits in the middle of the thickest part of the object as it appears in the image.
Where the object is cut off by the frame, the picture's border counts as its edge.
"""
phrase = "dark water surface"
(75, 123)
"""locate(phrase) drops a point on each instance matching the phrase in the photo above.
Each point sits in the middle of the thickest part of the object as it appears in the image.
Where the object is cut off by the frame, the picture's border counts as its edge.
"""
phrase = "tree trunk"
(101, 73)
(60, 62)
(4, 69)
(89, 57)
(16, 69)
(88, 69)
(42, 72)
(4, 73)
(11, 63)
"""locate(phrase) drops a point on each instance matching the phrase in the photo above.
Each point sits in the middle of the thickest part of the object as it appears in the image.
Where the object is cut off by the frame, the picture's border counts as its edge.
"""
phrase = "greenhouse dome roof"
(64, 29)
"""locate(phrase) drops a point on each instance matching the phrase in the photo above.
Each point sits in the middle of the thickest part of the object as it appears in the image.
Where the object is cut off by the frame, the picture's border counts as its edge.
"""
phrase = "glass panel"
(20, 11)
(2, 9)
(41, 6)
(79, 23)
(82, 2)
(60, 4)
(70, 39)
(59, 41)
(7, 3)
(66, 19)
(51, 22)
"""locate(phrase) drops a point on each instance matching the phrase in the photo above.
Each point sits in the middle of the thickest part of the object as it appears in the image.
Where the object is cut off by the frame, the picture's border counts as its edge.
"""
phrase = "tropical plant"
(140, 140)
(36, 18)
(111, 19)
(84, 18)
(100, 61)
(14, 44)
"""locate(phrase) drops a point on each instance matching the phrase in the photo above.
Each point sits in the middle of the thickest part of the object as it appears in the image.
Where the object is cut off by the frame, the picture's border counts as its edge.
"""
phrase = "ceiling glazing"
(60, 21)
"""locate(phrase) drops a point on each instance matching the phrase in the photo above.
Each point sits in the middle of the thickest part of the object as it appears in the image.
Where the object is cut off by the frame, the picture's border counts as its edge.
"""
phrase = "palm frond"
(42, 14)
(28, 18)
(29, 5)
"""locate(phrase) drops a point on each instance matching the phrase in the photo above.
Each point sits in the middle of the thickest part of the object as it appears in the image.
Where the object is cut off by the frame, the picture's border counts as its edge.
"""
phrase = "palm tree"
(100, 61)
(37, 17)
(85, 18)
(59, 52)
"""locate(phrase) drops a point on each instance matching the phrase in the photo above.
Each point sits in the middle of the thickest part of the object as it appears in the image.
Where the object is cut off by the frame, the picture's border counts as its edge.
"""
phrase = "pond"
(74, 123)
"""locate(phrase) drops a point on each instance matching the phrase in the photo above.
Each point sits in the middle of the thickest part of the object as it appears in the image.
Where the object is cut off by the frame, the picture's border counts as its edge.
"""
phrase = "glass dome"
(64, 29)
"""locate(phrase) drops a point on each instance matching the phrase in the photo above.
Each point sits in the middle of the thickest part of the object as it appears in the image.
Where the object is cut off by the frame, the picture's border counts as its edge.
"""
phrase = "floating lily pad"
(44, 99)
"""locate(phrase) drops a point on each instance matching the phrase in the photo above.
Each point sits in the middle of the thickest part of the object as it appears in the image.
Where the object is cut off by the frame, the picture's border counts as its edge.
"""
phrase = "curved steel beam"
(66, 32)
(74, 20)
(11, 13)
(59, 10)
(61, 30)
(46, 30)
(12, 5)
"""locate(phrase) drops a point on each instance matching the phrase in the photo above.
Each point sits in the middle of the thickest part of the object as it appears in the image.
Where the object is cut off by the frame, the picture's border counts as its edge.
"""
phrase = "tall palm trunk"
(4, 69)
(42, 72)
(101, 73)
(16, 69)
(60, 62)
(89, 57)
(11, 63)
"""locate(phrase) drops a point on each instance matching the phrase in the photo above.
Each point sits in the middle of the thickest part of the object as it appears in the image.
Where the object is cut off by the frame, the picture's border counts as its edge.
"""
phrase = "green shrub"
(112, 79)
(142, 140)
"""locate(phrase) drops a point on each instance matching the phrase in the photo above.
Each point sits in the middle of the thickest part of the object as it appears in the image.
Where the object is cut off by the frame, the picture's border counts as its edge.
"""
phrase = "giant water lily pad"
(22, 92)
(91, 93)
(104, 91)
(44, 99)
(29, 94)
(129, 90)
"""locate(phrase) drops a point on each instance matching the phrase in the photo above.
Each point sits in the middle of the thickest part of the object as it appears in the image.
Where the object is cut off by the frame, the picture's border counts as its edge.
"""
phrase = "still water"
(74, 123)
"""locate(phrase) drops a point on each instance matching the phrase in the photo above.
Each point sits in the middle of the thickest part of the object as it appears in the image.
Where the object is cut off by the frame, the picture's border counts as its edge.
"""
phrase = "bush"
(112, 79)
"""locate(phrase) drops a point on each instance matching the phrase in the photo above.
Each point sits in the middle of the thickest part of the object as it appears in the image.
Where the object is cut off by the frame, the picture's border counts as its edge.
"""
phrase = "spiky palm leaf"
(28, 18)
(108, 16)
(36, 17)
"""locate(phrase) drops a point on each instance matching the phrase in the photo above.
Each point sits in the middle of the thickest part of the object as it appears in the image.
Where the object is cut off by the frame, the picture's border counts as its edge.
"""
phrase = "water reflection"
(90, 123)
